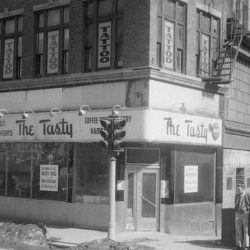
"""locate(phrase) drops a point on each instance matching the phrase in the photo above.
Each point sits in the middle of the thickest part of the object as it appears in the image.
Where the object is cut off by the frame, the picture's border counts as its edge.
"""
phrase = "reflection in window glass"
(9, 26)
(41, 20)
(105, 8)
(169, 8)
(66, 15)
(20, 24)
(19, 166)
(53, 17)
(91, 174)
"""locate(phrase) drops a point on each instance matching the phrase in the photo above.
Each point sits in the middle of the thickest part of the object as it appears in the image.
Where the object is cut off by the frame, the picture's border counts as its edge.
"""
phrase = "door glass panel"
(148, 195)
(130, 193)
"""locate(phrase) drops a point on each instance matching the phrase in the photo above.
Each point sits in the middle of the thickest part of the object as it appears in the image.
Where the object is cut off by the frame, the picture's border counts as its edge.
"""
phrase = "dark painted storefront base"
(228, 232)
(191, 219)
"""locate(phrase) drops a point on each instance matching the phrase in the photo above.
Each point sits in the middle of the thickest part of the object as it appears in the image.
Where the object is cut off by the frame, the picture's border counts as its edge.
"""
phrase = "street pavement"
(151, 240)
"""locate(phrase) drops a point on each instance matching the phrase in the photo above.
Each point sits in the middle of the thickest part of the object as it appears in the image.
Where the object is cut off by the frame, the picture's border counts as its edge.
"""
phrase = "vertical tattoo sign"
(169, 45)
(53, 52)
(104, 45)
(8, 58)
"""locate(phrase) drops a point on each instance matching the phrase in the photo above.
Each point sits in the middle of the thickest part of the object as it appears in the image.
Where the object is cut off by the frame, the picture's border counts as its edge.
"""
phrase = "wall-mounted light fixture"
(54, 111)
(3, 112)
(26, 113)
(116, 108)
(180, 106)
(83, 109)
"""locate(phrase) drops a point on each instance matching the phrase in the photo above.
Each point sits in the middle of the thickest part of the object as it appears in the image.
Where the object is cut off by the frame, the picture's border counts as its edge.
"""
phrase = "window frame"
(160, 45)
(199, 31)
(45, 30)
(95, 20)
(17, 60)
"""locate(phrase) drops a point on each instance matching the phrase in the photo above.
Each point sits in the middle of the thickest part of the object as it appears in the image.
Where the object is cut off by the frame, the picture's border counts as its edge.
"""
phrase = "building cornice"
(51, 4)
(129, 74)
(232, 127)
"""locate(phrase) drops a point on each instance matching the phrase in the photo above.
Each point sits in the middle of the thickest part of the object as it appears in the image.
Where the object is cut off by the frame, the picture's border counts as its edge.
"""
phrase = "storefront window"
(52, 159)
(2, 172)
(92, 174)
(194, 176)
(37, 170)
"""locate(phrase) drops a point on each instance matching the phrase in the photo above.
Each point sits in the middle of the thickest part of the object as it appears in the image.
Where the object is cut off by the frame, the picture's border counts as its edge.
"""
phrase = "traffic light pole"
(112, 175)
(112, 135)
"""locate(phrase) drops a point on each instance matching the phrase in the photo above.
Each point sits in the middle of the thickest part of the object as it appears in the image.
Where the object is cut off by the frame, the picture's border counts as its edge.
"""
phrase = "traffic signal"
(118, 134)
(106, 133)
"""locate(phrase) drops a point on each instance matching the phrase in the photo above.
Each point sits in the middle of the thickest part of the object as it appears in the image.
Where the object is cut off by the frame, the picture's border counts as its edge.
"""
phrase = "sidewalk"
(151, 240)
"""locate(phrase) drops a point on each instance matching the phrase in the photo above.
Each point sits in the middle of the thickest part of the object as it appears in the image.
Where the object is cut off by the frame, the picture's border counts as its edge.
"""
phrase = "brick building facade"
(59, 56)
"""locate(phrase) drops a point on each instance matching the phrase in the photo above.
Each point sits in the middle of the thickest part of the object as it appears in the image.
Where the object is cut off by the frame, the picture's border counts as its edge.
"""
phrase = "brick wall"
(136, 33)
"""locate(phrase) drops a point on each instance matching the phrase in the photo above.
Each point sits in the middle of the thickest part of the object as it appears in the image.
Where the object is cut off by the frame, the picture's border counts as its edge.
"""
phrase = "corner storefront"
(52, 169)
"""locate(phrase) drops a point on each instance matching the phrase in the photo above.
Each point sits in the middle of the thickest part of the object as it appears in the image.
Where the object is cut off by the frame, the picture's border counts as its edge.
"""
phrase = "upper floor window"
(11, 47)
(52, 41)
(171, 35)
(208, 34)
(104, 34)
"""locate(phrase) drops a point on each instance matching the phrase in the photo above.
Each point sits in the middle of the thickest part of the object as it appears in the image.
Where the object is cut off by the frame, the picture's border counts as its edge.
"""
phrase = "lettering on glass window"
(169, 45)
(104, 45)
(53, 52)
(8, 58)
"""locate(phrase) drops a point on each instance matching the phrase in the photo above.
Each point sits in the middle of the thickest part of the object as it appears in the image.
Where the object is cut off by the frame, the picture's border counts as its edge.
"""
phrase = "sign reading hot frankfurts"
(104, 44)
(8, 58)
(142, 125)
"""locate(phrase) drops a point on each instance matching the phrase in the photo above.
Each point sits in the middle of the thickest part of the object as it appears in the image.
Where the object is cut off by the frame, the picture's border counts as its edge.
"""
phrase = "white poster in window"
(49, 178)
(191, 179)
(8, 64)
(205, 45)
(104, 44)
(169, 45)
(53, 52)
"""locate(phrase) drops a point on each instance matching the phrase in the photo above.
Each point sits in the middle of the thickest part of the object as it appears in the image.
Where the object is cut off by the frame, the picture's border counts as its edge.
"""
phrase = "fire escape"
(224, 57)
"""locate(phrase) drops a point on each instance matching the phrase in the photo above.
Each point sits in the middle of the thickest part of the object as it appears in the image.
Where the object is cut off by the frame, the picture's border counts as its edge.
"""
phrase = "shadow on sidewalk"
(206, 244)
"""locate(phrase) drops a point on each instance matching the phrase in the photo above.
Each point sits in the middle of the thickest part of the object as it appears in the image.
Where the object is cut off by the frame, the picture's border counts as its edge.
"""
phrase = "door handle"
(148, 201)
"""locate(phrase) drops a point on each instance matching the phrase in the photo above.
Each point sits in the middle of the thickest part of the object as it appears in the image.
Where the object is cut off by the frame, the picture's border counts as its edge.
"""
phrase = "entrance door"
(142, 198)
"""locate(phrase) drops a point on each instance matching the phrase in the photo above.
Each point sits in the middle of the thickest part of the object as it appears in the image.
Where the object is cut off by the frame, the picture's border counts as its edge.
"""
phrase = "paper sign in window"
(191, 179)
(49, 178)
